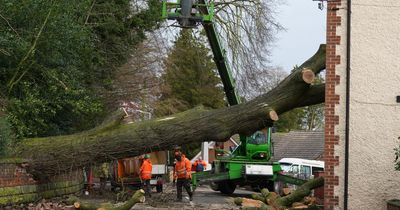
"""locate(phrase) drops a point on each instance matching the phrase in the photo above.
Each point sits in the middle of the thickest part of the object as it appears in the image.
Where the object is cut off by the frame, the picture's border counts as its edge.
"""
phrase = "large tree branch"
(314, 95)
(112, 140)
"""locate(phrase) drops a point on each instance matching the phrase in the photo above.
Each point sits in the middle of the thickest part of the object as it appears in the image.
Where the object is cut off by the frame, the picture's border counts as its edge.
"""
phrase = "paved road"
(204, 198)
(207, 195)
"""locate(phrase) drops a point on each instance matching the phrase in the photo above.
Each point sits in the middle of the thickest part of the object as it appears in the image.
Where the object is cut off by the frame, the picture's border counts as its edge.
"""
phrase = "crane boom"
(222, 65)
(189, 14)
(220, 60)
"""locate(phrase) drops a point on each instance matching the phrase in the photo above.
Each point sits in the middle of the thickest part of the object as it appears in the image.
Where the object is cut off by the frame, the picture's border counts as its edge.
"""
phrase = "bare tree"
(313, 117)
(260, 81)
(137, 80)
(248, 28)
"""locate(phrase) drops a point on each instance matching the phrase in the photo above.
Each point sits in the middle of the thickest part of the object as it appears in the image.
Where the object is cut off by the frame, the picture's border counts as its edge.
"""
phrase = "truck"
(249, 163)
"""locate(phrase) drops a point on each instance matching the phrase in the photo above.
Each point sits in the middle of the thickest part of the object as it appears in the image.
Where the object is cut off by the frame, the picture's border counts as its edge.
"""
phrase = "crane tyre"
(227, 187)
(214, 186)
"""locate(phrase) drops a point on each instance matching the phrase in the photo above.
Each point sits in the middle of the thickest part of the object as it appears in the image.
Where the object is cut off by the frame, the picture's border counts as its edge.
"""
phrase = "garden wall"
(18, 186)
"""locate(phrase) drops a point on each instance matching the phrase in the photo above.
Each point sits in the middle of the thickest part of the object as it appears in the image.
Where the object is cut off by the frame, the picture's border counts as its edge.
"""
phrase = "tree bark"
(300, 193)
(114, 140)
(273, 200)
(137, 197)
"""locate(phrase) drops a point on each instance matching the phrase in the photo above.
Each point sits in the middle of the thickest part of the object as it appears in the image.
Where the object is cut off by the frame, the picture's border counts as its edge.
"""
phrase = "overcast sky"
(305, 30)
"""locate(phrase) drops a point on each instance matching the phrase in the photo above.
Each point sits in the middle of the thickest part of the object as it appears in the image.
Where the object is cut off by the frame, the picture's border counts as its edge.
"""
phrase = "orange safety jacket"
(145, 169)
(183, 169)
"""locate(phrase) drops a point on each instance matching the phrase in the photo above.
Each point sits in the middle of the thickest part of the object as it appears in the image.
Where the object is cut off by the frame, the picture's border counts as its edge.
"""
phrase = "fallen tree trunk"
(299, 194)
(137, 197)
(273, 201)
(113, 140)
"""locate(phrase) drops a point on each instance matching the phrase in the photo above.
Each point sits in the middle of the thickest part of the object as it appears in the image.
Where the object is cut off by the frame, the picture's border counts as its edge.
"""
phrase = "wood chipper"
(125, 172)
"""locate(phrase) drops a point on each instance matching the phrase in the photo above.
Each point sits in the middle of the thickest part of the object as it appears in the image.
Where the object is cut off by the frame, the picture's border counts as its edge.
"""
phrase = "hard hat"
(146, 156)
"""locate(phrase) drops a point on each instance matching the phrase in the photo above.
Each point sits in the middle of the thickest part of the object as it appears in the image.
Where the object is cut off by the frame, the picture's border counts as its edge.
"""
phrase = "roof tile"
(298, 144)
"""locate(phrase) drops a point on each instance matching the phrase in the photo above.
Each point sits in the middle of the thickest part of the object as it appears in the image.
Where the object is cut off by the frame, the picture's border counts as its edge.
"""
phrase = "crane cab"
(257, 147)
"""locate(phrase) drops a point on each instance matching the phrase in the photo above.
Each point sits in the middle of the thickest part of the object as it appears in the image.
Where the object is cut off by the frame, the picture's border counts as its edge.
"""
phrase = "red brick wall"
(331, 99)
(18, 186)
(12, 175)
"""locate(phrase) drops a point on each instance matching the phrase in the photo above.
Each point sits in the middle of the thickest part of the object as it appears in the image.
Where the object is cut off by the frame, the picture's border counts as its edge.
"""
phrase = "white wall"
(374, 113)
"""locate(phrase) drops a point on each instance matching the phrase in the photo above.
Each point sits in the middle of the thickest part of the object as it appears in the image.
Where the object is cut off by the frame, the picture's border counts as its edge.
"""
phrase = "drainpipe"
(347, 127)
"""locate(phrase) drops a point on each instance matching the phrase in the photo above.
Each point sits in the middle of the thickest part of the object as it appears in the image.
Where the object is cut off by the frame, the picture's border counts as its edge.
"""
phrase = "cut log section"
(308, 75)
(137, 197)
(273, 116)
(286, 191)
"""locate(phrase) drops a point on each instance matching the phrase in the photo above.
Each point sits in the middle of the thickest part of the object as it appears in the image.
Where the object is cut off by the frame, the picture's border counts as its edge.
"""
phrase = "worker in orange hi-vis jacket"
(182, 174)
(199, 165)
(145, 174)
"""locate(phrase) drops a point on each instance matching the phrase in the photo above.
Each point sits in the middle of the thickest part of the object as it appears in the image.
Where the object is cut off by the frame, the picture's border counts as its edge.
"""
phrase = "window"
(286, 167)
(295, 169)
(316, 169)
(258, 138)
(305, 172)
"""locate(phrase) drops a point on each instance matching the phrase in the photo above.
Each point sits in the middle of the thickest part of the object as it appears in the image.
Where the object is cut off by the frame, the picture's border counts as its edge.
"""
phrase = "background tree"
(291, 120)
(6, 136)
(261, 81)
(137, 80)
(55, 54)
(248, 30)
(313, 116)
(190, 79)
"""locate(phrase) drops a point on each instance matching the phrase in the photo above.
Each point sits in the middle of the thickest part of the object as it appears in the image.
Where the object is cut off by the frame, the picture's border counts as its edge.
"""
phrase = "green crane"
(249, 163)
